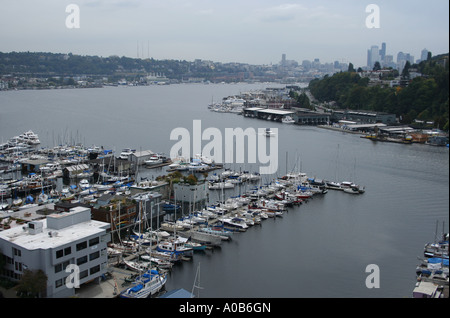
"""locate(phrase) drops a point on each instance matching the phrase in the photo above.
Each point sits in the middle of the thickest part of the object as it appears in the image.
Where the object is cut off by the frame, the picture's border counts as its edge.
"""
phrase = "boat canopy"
(136, 288)
(437, 260)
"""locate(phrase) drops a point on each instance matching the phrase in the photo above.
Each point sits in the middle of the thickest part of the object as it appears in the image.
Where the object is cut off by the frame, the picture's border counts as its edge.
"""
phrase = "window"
(18, 266)
(61, 266)
(81, 246)
(94, 269)
(94, 256)
(64, 252)
(16, 252)
(94, 241)
(84, 274)
(59, 283)
(82, 260)
(59, 253)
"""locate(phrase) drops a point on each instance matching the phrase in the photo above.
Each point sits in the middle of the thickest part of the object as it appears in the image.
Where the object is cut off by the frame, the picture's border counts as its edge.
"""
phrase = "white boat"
(333, 185)
(159, 234)
(207, 238)
(171, 227)
(197, 166)
(29, 138)
(254, 177)
(101, 187)
(351, 190)
(84, 184)
(221, 185)
(146, 285)
(161, 263)
(175, 246)
(216, 210)
(154, 160)
(351, 187)
(287, 120)
(186, 224)
(234, 222)
(137, 266)
(126, 153)
(216, 231)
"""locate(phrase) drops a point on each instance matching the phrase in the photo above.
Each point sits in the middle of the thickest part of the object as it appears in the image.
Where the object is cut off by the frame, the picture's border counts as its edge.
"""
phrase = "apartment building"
(54, 243)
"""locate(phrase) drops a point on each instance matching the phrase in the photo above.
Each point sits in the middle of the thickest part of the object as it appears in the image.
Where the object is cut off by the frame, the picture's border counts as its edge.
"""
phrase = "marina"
(349, 230)
(432, 271)
(151, 251)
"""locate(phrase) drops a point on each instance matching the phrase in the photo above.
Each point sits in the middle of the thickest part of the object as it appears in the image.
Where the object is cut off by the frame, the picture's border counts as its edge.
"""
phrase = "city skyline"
(253, 32)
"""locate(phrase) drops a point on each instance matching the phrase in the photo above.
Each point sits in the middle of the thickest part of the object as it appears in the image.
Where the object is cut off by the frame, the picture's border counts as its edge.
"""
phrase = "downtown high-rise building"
(373, 56)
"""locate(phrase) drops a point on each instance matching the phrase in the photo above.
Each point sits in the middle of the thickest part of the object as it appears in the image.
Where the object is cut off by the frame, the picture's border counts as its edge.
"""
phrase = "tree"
(303, 101)
(405, 72)
(191, 179)
(351, 69)
(32, 285)
(377, 66)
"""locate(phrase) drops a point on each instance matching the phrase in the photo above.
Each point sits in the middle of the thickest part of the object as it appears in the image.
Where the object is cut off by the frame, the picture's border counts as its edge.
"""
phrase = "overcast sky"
(247, 31)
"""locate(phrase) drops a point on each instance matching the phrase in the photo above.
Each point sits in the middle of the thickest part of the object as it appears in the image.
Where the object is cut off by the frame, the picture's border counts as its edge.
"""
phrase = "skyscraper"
(424, 55)
(374, 55)
(383, 52)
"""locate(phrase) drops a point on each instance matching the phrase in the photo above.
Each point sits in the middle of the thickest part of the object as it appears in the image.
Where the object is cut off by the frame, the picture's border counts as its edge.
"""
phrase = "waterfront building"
(191, 197)
(139, 157)
(74, 171)
(308, 117)
(364, 117)
(33, 165)
(150, 203)
(115, 210)
(54, 243)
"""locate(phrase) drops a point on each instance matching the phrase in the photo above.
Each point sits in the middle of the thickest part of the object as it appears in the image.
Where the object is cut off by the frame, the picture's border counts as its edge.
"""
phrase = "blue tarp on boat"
(136, 288)
(437, 260)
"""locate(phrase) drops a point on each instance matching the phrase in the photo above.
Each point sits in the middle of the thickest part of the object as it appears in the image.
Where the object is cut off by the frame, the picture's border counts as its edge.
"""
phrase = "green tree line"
(58, 64)
(425, 98)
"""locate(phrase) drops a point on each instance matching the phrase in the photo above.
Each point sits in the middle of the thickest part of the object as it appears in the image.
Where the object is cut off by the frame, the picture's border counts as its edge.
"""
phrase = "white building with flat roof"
(54, 243)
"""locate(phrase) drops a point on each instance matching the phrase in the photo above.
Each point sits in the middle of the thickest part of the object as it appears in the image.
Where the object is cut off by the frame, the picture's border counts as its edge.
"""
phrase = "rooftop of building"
(50, 237)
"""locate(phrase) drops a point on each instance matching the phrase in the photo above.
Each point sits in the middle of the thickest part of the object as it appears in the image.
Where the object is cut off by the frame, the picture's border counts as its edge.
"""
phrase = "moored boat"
(146, 285)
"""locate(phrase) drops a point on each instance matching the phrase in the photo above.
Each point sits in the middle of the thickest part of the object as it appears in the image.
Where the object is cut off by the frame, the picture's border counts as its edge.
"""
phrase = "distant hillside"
(425, 97)
(70, 64)
(39, 64)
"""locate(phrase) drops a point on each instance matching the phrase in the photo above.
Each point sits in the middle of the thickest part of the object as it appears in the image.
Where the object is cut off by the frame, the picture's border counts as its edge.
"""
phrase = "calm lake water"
(320, 249)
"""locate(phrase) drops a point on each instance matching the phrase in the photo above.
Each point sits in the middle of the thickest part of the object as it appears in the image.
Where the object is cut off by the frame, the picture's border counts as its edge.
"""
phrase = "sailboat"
(146, 285)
